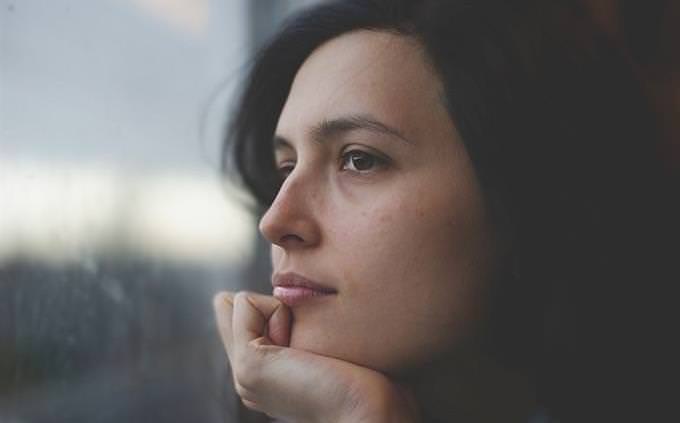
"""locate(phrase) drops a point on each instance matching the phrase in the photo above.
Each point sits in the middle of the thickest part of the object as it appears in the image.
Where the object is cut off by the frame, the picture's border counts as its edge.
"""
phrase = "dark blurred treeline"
(111, 341)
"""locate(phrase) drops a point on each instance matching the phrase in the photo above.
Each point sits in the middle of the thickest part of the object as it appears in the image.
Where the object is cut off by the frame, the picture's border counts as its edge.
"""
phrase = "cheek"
(408, 267)
(404, 284)
(276, 254)
(401, 239)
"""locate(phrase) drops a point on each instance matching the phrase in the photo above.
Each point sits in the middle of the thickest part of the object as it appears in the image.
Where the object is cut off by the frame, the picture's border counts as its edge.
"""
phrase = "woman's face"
(380, 203)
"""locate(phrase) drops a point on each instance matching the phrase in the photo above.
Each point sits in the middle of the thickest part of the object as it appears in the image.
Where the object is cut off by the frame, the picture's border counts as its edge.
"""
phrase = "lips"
(293, 289)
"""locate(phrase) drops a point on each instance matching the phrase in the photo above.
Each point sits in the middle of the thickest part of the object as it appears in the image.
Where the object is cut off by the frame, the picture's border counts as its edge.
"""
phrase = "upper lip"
(294, 279)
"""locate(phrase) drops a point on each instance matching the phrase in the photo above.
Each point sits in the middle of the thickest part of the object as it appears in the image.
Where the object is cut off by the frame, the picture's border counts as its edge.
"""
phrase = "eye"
(361, 161)
(285, 169)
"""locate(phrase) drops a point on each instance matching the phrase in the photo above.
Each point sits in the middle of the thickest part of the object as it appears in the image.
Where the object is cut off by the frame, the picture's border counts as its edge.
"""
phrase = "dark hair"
(564, 146)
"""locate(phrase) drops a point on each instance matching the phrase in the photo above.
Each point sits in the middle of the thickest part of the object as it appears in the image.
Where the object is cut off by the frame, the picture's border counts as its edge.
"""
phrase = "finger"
(278, 316)
(223, 303)
(260, 318)
(279, 322)
(251, 405)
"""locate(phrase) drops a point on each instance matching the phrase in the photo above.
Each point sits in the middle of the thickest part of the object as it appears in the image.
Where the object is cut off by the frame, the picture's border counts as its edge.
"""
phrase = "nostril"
(291, 238)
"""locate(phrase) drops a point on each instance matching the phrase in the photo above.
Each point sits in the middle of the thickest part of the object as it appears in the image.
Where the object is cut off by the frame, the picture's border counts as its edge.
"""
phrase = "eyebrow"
(336, 127)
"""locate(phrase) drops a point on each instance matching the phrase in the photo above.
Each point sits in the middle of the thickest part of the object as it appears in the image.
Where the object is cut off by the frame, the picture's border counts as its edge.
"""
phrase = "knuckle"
(241, 296)
(251, 405)
(221, 298)
(247, 372)
(241, 391)
(265, 353)
(244, 393)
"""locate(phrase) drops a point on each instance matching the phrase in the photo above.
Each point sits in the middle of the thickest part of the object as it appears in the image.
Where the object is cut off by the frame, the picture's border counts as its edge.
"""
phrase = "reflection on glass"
(61, 213)
(115, 226)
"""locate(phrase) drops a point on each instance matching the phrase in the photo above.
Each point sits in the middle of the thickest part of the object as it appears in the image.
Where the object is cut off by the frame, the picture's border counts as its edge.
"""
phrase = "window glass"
(116, 228)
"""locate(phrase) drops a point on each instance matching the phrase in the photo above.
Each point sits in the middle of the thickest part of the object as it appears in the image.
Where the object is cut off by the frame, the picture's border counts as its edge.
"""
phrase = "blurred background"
(116, 228)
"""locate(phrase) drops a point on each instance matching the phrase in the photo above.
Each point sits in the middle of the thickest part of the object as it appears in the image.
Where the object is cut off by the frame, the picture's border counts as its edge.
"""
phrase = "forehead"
(364, 72)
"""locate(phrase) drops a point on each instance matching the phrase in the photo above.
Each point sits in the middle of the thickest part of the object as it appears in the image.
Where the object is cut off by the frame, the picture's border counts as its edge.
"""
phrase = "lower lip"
(296, 295)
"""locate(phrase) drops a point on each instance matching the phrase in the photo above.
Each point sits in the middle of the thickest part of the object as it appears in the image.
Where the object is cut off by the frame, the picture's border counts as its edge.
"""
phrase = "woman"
(448, 194)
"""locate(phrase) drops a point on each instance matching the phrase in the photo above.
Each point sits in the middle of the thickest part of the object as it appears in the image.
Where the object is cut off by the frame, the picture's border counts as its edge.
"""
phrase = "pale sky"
(123, 81)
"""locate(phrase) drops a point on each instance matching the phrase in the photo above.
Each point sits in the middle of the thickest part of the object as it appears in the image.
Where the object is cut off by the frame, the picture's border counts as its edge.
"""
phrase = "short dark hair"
(564, 145)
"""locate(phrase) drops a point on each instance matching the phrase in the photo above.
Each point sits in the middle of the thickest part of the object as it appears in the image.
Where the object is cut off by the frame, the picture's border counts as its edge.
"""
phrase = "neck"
(478, 391)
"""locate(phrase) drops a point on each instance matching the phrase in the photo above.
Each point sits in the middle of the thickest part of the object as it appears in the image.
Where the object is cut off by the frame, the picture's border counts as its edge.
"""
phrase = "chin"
(367, 351)
(323, 340)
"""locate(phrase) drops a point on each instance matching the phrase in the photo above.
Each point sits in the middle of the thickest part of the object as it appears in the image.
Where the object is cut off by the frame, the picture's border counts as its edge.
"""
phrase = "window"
(115, 227)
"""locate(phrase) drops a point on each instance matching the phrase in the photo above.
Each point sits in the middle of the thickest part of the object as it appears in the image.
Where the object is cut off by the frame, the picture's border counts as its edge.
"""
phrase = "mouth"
(294, 290)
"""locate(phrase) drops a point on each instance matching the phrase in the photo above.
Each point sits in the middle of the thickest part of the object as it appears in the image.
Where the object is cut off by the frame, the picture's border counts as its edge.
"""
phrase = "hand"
(296, 385)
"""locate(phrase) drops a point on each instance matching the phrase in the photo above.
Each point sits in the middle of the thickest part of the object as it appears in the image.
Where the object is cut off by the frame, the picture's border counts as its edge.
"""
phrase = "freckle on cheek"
(385, 218)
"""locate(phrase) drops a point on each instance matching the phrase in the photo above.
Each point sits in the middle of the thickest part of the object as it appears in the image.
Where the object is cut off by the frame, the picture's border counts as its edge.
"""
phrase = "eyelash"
(378, 162)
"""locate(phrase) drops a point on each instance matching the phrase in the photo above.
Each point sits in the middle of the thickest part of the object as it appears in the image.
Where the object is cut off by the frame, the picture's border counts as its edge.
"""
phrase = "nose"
(291, 221)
